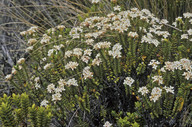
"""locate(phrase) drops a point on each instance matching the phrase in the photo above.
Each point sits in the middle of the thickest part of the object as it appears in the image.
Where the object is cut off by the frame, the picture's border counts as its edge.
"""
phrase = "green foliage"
(17, 111)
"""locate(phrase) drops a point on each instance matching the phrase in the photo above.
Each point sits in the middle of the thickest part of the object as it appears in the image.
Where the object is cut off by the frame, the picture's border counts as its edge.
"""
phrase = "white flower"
(51, 51)
(59, 89)
(115, 52)
(14, 71)
(75, 32)
(88, 52)
(89, 41)
(56, 97)
(143, 90)
(186, 64)
(31, 41)
(85, 59)
(155, 94)
(133, 34)
(107, 124)
(184, 36)
(87, 73)
(188, 75)
(71, 65)
(190, 31)
(128, 81)
(169, 66)
(44, 103)
(8, 77)
(47, 66)
(187, 15)
(37, 86)
(45, 39)
(68, 54)
(72, 82)
(162, 69)
(154, 64)
(51, 88)
(77, 52)
(169, 89)
(37, 79)
(60, 27)
(30, 48)
(95, 1)
(102, 45)
(177, 65)
(21, 61)
(97, 60)
(158, 79)
(62, 82)
(44, 59)
(117, 8)
(164, 21)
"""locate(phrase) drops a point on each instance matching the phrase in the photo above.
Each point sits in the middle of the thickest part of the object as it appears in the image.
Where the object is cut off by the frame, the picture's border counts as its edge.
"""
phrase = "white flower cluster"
(95, 1)
(30, 31)
(133, 34)
(169, 89)
(72, 82)
(102, 45)
(87, 73)
(128, 81)
(37, 85)
(183, 64)
(45, 39)
(32, 41)
(150, 39)
(86, 56)
(155, 94)
(97, 60)
(154, 64)
(55, 49)
(47, 66)
(143, 90)
(107, 124)
(75, 32)
(158, 79)
(116, 51)
(71, 65)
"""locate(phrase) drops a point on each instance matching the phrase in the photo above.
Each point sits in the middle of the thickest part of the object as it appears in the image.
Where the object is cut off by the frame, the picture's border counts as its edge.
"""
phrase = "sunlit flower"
(47, 66)
(50, 88)
(155, 94)
(71, 65)
(44, 103)
(143, 90)
(188, 75)
(8, 77)
(184, 36)
(158, 79)
(169, 89)
(56, 97)
(128, 81)
(72, 82)
(117, 8)
(21, 61)
(32, 41)
(154, 64)
(87, 73)
(107, 124)
(95, 1)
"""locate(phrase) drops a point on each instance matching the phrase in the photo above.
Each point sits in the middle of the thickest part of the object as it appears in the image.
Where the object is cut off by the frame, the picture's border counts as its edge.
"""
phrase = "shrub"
(127, 62)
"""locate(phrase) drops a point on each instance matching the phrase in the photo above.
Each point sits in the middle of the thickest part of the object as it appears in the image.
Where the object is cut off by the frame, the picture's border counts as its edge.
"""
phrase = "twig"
(72, 117)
